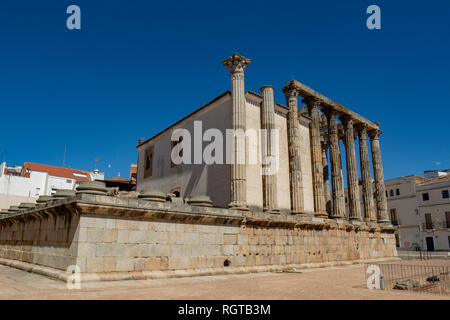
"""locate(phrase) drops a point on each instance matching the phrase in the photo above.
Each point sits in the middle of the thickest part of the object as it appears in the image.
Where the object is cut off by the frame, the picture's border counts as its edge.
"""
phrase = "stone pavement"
(324, 283)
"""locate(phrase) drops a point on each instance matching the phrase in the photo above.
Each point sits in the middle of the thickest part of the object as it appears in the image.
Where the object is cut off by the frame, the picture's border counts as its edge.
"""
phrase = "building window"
(447, 219)
(391, 193)
(387, 194)
(394, 217)
(173, 144)
(445, 194)
(346, 200)
(397, 192)
(425, 196)
(148, 168)
(428, 221)
(397, 241)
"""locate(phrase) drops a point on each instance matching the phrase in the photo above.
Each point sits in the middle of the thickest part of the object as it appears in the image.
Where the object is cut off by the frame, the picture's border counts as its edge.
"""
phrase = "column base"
(299, 213)
(339, 220)
(355, 221)
(238, 206)
(272, 211)
(323, 215)
(387, 227)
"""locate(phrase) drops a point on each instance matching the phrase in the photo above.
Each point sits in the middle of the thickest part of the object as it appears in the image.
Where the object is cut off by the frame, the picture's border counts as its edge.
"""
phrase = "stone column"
(352, 170)
(295, 169)
(236, 65)
(326, 178)
(380, 189)
(369, 207)
(268, 124)
(316, 156)
(337, 180)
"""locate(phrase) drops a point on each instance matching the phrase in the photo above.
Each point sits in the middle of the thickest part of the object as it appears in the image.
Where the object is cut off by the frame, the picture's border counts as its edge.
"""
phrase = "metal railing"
(435, 225)
(432, 279)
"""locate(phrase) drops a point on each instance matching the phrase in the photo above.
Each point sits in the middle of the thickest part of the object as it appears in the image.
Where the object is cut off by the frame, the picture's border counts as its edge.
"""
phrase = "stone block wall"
(50, 241)
(108, 235)
(110, 244)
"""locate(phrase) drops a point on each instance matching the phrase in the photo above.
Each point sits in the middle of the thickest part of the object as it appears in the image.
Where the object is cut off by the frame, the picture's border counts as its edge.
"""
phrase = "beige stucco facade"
(403, 203)
(405, 197)
(437, 235)
(189, 179)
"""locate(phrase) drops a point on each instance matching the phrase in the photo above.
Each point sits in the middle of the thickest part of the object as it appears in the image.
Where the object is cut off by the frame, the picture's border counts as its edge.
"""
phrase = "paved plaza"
(322, 283)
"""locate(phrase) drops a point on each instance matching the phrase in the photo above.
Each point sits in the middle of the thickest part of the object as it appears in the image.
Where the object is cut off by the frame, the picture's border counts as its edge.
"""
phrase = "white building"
(421, 209)
(430, 174)
(27, 182)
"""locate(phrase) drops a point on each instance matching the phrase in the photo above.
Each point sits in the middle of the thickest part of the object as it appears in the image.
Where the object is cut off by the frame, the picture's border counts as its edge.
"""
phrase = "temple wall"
(139, 245)
(190, 179)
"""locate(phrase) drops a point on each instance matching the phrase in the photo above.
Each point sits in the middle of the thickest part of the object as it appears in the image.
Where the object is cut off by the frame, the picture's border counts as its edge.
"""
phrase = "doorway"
(430, 243)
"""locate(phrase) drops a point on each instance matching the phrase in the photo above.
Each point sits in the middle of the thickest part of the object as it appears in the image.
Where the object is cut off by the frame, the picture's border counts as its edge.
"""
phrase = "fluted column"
(316, 156)
(352, 170)
(268, 124)
(380, 189)
(295, 169)
(369, 207)
(236, 65)
(337, 180)
(326, 178)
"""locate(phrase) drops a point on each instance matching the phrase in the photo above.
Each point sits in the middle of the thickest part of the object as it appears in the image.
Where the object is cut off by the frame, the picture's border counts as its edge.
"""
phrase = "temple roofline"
(306, 91)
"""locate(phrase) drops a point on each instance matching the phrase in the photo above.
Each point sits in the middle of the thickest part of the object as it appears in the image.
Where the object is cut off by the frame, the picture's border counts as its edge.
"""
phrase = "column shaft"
(236, 65)
(295, 168)
(369, 207)
(316, 156)
(352, 170)
(337, 180)
(326, 179)
(380, 189)
(268, 124)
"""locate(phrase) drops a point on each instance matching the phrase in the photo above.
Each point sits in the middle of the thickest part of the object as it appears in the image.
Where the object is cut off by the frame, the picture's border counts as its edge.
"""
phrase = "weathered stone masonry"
(112, 238)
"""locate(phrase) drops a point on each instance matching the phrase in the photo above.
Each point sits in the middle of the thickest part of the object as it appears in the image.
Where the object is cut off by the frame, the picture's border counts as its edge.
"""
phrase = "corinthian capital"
(330, 112)
(311, 101)
(236, 63)
(374, 134)
(290, 90)
(347, 121)
(361, 128)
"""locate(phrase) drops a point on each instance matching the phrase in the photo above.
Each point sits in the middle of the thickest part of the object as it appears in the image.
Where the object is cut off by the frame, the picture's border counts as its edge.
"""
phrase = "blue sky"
(136, 67)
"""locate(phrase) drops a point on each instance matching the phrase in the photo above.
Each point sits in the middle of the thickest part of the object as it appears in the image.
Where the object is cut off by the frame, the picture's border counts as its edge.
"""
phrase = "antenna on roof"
(4, 155)
(96, 163)
(64, 158)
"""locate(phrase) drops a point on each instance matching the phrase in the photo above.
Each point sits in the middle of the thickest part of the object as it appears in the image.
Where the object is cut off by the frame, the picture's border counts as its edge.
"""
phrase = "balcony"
(436, 225)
